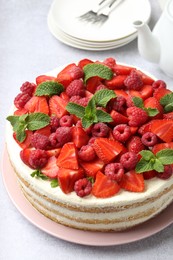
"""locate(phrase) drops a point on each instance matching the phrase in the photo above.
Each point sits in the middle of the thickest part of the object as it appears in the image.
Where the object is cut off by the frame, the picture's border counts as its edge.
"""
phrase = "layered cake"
(92, 145)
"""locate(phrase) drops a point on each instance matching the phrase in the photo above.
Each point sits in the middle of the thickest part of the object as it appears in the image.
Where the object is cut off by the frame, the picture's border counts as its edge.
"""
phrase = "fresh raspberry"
(83, 101)
(75, 99)
(114, 171)
(129, 101)
(149, 139)
(158, 84)
(40, 141)
(137, 116)
(28, 88)
(100, 130)
(121, 132)
(119, 104)
(133, 81)
(110, 62)
(76, 88)
(54, 141)
(87, 153)
(83, 187)
(166, 174)
(66, 120)
(21, 99)
(92, 140)
(135, 144)
(100, 87)
(54, 123)
(129, 160)
(63, 134)
(38, 158)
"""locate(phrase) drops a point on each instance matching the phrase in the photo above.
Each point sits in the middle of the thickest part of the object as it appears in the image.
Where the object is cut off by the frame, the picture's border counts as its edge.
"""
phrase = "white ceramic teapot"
(157, 46)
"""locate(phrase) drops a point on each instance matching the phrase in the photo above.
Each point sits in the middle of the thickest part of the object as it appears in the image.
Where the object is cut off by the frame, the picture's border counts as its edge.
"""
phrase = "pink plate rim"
(89, 238)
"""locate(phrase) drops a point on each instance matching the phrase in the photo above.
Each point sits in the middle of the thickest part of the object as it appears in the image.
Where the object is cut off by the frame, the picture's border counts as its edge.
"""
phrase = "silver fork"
(100, 13)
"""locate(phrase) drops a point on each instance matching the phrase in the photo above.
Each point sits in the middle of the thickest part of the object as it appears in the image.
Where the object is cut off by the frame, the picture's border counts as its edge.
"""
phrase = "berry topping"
(76, 88)
(129, 160)
(121, 132)
(83, 187)
(137, 116)
(133, 81)
(100, 130)
(54, 123)
(63, 134)
(166, 174)
(87, 153)
(66, 120)
(149, 139)
(158, 84)
(40, 141)
(28, 88)
(114, 171)
(119, 104)
(38, 158)
(21, 99)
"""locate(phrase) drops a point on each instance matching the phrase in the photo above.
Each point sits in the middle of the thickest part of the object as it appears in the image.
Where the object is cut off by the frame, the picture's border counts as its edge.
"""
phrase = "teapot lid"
(169, 9)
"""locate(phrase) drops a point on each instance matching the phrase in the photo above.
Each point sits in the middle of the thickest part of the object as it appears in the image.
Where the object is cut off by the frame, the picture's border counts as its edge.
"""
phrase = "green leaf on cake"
(96, 69)
(75, 109)
(54, 183)
(158, 166)
(37, 121)
(38, 174)
(102, 116)
(138, 102)
(49, 88)
(144, 166)
(167, 102)
(103, 96)
(165, 156)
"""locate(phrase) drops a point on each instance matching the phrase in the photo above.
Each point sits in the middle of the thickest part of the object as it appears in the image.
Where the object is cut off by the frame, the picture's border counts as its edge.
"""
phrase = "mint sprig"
(95, 69)
(49, 88)
(151, 161)
(91, 114)
(138, 102)
(54, 183)
(39, 174)
(32, 121)
(167, 102)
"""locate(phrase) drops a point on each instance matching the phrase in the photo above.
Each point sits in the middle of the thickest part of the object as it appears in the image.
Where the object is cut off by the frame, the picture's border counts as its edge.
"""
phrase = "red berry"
(83, 187)
(135, 144)
(63, 134)
(66, 120)
(87, 153)
(75, 99)
(54, 141)
(76, 88)
(121, 132)
(100, 130)
(149, 139)
(114, 171)
(137, 116)
(40, 141)
(158, 84)
(166, 174)
(133, 81)
(38, 158)
(28, 88)
(54, 123)
(101, 86)
(21, 99)
(83, 101)
(129, 160)
(119, 104)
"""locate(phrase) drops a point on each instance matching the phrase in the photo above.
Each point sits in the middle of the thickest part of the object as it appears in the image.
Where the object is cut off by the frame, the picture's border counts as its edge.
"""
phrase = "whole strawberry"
(136, 116)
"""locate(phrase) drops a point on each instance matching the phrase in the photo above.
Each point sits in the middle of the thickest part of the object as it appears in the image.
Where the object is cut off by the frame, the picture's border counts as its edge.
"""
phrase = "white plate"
(119, 24)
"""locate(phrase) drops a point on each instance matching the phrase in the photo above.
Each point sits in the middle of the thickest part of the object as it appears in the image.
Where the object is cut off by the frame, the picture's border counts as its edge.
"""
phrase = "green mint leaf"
(169, 107)
(138, 102)
(75, 109)
(167, 99)
(144, 166)
(165, 156)
(158, 166)
(95, 69)
(54, 183)
(14, 120)
(91, 179)
(49, 88)
(38, 174)
(20, 133)
(152, 111)
(37, 121)
(90, 110)
(87, 122)
(103, 116)
(103, 96)
(147, 155)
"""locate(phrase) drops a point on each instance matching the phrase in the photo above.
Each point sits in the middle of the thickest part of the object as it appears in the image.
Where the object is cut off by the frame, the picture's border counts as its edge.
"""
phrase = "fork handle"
(101, 5)
(108, 9)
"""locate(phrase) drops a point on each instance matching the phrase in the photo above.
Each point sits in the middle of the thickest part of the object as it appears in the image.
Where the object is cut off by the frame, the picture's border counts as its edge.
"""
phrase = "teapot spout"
(148, 44)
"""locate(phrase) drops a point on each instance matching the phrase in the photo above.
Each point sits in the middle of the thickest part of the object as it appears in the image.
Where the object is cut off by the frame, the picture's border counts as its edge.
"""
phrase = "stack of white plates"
(65, 23)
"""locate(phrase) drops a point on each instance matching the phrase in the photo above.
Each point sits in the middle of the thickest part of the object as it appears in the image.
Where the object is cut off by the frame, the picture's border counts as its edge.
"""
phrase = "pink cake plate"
(139, 232)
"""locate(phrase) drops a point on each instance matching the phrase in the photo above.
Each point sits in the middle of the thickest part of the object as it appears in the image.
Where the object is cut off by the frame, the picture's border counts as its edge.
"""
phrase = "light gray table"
(27, 49)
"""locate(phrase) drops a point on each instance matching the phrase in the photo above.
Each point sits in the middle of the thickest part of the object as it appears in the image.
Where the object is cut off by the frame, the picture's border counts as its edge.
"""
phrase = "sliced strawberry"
(91, 168)
(93, 83)
(122, 69)
(44, 131)
(120, 92)
(152, 102)
(79, 136)
(135, 93)
(149, 175)
(147, 80)
(25, 155)
(68, 177)
(118, 118)
(163, 129)
(161, 146)
(117, 82)
(51, 169)
(54, 152)
(107, 149)
(57, 106)
(104, 187)
(37, 104)
(43, 78)
(64, 96)
(161, 92)
(132, 181)
(69, 73)
(146, 91)
(20, 112)
(68, 157)
(168, 115)
(84, 62)
(145, 128)
(27, 142)
(88, 94)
